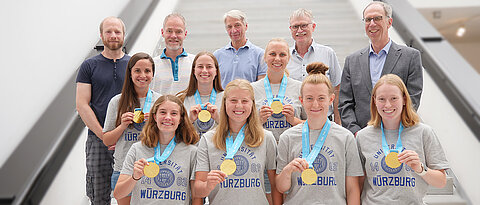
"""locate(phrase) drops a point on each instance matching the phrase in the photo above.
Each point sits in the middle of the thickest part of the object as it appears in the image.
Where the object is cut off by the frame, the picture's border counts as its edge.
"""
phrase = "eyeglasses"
(303, 26)
(376, 19)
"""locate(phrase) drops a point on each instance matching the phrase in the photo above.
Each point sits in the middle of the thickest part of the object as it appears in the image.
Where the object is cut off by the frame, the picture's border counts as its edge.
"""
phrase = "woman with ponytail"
(318, 160)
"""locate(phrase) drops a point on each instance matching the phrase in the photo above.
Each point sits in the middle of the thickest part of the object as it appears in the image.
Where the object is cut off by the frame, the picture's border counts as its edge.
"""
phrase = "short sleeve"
(111, 117)
(130, 160)
(262, 67)
(193, 162)
(359, 147)
(271, 146)
(353, 164)
(336, 72)
(84, 73)
(203, 164)
(434, 154)
(282, 153)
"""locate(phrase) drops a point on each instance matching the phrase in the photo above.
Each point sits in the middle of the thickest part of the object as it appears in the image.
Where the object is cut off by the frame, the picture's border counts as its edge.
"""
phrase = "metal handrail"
(457, 79)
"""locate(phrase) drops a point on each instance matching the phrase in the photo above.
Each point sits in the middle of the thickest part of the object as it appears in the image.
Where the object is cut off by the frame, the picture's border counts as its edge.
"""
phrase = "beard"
(113, 45)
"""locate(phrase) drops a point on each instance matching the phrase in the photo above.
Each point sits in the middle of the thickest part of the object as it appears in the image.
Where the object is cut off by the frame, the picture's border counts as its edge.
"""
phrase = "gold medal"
(138, 116)
(277, 107)
(228, 166)
(151, 170)
(204, 116)
(309, 176)
(392, 160)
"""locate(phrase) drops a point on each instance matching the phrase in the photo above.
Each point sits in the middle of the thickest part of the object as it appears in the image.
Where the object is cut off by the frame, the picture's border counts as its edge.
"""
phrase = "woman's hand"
(265, 112)
(215, 177)
(289, 113)
(146, 116)
(213, 109)
(411, 158)
(194, 110)
(127, 119)
(138, 168)
(296, 165)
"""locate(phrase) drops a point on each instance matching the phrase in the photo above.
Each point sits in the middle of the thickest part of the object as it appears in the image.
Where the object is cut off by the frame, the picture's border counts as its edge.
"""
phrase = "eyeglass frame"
(375, 19)
(303, 26)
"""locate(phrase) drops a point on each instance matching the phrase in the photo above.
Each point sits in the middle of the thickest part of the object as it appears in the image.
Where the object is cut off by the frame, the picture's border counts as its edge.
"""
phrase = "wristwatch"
(424, 170)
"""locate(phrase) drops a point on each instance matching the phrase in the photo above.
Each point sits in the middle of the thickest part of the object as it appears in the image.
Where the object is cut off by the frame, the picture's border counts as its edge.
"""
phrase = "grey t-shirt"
(337, 158)
(277, 123)
(203, 127)
(130, 135)
(246, 184)
(172, 184)
(397, 185)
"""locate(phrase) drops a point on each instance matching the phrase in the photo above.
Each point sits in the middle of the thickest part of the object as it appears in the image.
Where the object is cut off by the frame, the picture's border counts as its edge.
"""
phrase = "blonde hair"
(185, 131)
(316, 75)
(253, 129)
(278, 40)
(408, 117)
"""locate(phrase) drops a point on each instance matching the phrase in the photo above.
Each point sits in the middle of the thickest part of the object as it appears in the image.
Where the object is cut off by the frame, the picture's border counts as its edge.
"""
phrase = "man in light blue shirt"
(240, 58)
(306, 51)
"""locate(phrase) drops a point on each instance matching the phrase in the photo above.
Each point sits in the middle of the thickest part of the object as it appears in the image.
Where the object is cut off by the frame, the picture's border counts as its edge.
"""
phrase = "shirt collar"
(183, 54)
(248, 44)
(386, 48)
(294, 50)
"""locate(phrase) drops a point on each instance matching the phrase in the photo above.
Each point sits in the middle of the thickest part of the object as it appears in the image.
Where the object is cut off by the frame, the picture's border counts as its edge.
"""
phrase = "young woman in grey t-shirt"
(249, 157)
(167, 125)
(204, 83)
(333, 165)
(400, 155)
(120, 129)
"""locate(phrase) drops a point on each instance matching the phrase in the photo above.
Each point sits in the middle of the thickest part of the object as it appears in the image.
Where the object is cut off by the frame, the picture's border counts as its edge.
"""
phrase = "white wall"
(43, 42)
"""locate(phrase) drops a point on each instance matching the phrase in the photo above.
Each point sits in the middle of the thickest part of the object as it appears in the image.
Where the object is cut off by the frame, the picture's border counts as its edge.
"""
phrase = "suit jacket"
(356, 84)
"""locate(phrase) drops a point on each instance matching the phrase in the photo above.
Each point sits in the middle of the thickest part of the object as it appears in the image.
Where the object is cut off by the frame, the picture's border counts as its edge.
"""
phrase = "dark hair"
(185, 131)
(128, 100)
(193, 83)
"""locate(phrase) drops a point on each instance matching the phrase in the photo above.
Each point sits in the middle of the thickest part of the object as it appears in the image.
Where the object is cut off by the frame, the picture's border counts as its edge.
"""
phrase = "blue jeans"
(114, 180)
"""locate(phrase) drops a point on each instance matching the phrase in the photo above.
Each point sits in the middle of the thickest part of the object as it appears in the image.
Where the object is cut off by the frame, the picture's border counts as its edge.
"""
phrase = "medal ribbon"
(281, 91)
(232, 147)
(158, 158)
(310, 157)
(198, 99)
(399, 146)
(148, 102)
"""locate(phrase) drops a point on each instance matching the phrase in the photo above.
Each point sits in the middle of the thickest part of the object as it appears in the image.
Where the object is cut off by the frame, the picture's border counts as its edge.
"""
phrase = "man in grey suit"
(363, 68)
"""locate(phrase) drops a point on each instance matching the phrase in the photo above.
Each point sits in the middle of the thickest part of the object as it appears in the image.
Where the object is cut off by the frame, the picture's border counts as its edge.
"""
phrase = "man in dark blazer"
(363, 68)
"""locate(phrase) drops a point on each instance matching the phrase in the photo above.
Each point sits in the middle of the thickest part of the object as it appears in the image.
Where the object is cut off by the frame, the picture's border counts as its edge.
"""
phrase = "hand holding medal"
(152, 169)
(228, 165)
(204, 115)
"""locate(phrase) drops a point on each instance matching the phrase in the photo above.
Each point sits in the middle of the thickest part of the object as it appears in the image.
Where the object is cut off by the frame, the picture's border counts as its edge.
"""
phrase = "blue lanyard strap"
(310, 157)
(399, 146)
(281, 91)
(232, 147)
(158, 158)
(198, 99)
(148, 102)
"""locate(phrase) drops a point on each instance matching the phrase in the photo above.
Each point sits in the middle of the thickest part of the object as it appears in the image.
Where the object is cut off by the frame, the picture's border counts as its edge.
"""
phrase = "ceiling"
(448, 20)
